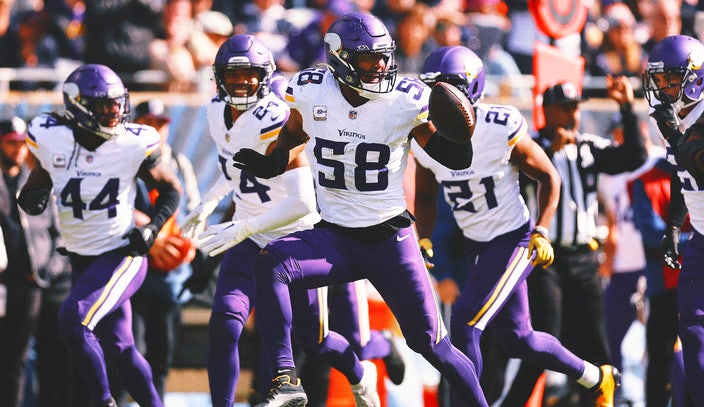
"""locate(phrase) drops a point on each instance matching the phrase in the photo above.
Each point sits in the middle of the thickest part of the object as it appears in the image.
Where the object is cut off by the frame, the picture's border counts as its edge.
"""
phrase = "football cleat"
(395, 366)
(283, 393)
(365, 393)
(609, 381)
(110, 403)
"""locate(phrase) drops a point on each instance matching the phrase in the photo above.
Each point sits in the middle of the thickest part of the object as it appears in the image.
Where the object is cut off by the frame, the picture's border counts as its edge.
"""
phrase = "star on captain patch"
(353, 114)
(320, 113)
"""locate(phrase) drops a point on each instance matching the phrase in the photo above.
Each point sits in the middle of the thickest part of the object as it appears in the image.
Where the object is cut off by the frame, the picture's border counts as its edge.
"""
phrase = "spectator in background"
(5, 12)
(66, 24)
(267, 20)
(212, 28)
(412, 33)
(118, 33)
(664, 19)
(37, 280)
(305, 47)
(485, 33)
(157, 305)
(169, 51)
(29, 44)
(620, 53)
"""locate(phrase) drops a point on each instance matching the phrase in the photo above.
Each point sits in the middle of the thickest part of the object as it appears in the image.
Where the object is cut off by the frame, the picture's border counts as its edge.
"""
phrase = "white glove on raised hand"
(195, 220)
(218, 238)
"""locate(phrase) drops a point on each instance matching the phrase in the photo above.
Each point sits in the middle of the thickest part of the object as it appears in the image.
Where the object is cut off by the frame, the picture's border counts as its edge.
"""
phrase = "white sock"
(591, 375)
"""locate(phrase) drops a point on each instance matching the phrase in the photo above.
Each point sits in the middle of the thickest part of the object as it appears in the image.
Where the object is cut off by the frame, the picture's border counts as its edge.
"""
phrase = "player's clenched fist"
(540, 245)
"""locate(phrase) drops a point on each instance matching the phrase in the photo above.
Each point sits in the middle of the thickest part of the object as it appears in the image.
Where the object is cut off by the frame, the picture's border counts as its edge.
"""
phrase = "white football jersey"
(693, 193)
(256, 128)
(95, 190)
(358, 154)
(485, 198)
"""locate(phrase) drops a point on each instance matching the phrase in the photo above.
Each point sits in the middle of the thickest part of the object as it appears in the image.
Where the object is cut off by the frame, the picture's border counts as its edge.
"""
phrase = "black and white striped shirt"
(579, 165)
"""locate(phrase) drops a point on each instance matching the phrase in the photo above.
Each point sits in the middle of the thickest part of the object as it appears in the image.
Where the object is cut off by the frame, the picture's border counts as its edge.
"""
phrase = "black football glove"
(668, 123)
(203, 267)
(260, 165)
(669, 247)
(141, 240)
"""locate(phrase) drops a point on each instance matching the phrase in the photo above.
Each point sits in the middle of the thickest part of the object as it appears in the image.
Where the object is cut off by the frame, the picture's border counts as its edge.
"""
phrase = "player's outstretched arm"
(195, 220)
(291, 141)
(35, 193)
(532, 160)
(451, 155)
(299, 202)
(158, 176)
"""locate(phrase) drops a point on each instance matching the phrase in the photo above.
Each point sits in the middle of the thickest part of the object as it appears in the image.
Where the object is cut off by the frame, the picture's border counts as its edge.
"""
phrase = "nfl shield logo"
(89, 158)
(353, 114)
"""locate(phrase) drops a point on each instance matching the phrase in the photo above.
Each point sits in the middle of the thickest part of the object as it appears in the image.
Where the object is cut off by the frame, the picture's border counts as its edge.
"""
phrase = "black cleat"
(395, 366)
(283, 393)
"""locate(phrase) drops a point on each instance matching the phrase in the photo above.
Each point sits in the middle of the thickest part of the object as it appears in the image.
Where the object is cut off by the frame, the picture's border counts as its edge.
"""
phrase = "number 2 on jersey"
(457, 190)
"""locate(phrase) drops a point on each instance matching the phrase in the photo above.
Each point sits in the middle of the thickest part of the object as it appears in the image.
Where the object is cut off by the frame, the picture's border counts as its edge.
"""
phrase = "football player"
(674, 87)
(355, 120)
(246, 113)
(90, 156)
(501, 243)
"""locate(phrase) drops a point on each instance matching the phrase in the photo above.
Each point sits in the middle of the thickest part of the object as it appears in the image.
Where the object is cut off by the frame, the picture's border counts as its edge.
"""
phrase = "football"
(451, 113)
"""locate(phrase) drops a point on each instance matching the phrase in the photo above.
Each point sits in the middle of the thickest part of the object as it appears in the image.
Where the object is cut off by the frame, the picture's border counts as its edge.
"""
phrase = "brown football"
(451, 113)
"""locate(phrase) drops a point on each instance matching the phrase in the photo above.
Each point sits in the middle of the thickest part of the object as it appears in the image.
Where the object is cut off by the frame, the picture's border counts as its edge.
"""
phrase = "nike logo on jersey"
(401, 238)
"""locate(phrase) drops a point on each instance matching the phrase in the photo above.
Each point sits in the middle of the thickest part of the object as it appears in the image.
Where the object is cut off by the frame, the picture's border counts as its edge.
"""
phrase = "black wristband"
(165, 206)
(452, 155)
(626, 107)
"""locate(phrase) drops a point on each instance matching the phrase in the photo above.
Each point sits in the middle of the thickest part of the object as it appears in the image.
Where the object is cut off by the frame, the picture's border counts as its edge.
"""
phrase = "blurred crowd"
(180, 37)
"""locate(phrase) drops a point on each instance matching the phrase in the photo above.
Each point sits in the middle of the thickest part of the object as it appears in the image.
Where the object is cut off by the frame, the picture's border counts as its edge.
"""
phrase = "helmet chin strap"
(109, 132)
(680, 104)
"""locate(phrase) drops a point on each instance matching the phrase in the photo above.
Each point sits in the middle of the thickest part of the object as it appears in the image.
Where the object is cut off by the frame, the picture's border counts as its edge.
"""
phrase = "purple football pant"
(690, 304)
(496, 295)
(95, 322)
(350, 318)
(321, 256)
(232, 304)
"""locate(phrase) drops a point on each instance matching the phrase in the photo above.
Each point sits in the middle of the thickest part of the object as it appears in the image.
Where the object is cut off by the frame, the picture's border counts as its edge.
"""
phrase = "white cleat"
(365, 393)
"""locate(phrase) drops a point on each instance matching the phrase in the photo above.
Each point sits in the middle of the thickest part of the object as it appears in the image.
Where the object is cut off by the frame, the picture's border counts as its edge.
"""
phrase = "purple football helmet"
(680, 56)
(243, 51)
(352, 35)
(457, 65)
(278, 84)
(96, 100)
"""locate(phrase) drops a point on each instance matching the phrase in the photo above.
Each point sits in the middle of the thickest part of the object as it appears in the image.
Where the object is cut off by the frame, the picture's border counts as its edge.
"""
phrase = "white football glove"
(195, 221)
(218, 238)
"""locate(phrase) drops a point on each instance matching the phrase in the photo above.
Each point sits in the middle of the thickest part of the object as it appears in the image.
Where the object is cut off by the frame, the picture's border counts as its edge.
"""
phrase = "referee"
(566, 299)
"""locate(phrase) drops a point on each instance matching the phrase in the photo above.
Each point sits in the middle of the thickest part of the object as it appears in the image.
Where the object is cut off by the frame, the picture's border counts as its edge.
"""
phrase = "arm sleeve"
(677, 211)
(627, 156)
(300, 201)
